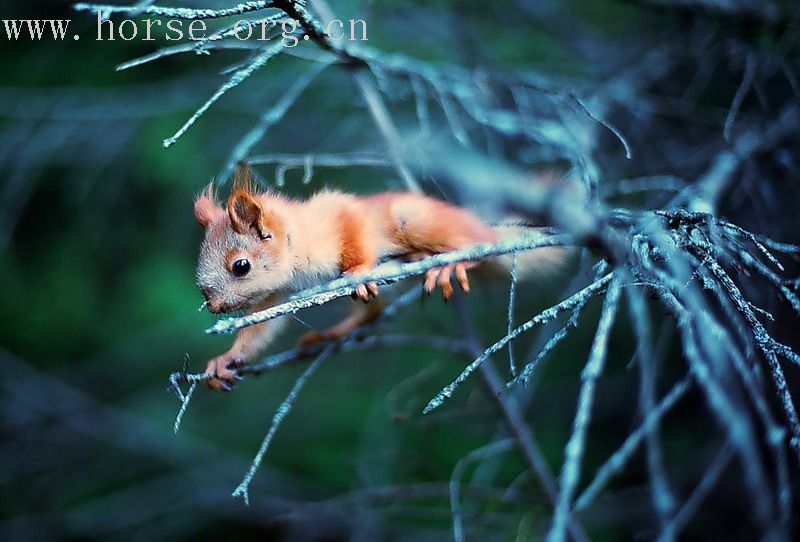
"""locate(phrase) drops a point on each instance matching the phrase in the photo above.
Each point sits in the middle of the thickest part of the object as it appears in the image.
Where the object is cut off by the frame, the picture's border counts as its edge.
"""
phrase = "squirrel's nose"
(214, 306)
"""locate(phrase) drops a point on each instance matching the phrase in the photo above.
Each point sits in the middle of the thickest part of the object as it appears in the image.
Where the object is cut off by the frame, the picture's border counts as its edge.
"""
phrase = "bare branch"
(704, 195)
(573, 453)
(624, 453)
(332, 160)
(514, 420)
(662, 495)
(689, 508)
(270, 117)
(176, 13)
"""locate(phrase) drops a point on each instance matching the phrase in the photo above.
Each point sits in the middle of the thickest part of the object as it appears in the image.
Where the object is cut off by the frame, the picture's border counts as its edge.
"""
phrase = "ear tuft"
(243, 178)
(245, 212)
(206, 209)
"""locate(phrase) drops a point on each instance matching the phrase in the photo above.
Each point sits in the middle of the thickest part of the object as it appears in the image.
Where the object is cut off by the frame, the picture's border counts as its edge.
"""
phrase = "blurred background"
(98, 246)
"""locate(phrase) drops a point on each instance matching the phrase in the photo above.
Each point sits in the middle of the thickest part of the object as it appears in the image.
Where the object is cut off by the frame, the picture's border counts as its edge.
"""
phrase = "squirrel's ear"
(245, 212)
(206, 209)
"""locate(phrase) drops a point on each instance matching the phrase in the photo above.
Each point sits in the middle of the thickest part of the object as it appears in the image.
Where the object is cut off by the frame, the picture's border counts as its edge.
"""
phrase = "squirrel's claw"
(461, 277)
(433, 275)
(365, 291)
(441, 276)
(362, 291)
(430, 280)
(444, 282)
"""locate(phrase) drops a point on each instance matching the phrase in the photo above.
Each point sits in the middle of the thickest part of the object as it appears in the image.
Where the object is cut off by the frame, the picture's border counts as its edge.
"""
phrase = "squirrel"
(263, 246)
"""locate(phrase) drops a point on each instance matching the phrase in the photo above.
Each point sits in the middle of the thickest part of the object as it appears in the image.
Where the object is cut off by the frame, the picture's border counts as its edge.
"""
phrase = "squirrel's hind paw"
(311, 338)
(441, 276)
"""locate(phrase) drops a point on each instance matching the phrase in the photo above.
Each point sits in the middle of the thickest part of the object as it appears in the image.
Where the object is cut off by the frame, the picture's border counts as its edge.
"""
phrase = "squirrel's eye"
(241, 267)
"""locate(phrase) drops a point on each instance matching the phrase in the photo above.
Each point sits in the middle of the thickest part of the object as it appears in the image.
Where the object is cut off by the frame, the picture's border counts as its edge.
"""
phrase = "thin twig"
(541, 318)
(690, 506)
(744, 87)
(512, 294)
(488, 450)
(177, 13)
(270, 117)
(283, 409)
(236, 79)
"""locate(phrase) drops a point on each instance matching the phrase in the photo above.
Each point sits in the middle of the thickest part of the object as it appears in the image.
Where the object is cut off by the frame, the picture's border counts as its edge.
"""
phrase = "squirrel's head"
(243, 257)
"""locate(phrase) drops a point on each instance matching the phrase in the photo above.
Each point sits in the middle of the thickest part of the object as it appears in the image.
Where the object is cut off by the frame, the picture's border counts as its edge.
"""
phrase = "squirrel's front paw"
(222, 368)
(363, 291)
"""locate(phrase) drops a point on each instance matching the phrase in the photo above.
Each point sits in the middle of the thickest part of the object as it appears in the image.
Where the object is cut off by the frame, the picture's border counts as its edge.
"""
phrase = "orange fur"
(357, 254)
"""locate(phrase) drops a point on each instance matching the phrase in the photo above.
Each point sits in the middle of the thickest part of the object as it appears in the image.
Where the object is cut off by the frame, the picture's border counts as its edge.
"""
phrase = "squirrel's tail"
(538, 262)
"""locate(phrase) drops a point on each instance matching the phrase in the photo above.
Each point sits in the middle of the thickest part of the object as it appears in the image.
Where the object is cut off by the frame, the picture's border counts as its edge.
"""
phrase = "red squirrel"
(262, 246)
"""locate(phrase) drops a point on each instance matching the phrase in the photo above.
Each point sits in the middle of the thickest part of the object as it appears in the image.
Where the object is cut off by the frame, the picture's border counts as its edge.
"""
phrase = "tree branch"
(177, 13)
(385, 273)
